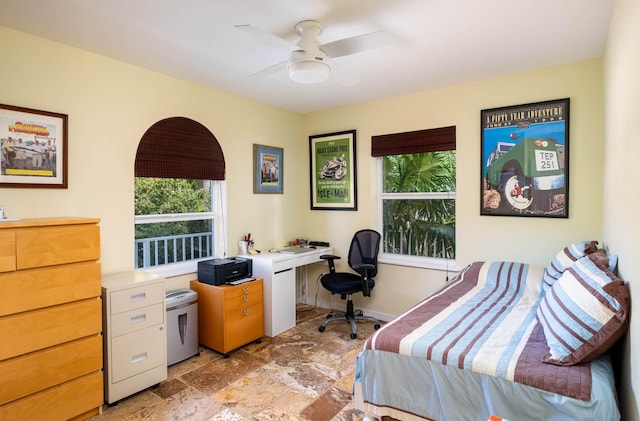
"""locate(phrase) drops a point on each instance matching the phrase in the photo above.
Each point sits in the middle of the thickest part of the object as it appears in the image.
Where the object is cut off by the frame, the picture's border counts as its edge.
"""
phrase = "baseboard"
(383, 317)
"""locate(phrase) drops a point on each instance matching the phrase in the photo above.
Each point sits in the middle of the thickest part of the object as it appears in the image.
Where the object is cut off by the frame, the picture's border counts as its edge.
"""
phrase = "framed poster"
(525, 160)
(333, 171)
(34, 148)
(267, 169)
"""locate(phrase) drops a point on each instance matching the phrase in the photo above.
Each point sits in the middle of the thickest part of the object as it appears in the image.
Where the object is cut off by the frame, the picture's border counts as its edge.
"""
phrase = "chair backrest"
(364, 249)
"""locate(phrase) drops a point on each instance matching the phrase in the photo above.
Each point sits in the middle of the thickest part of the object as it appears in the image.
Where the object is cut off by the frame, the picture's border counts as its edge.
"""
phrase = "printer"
(224, 271)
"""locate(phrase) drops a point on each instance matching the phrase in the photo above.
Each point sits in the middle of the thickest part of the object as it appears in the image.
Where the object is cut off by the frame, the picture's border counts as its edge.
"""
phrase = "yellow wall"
(622, 152)
(533, 240)
(110, 105)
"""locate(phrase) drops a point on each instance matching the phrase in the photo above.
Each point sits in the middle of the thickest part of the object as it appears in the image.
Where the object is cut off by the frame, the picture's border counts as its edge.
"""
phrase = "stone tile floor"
(301, 374)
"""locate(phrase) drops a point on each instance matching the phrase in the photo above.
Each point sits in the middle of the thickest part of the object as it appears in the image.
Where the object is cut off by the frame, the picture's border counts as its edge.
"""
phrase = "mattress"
(473, 349)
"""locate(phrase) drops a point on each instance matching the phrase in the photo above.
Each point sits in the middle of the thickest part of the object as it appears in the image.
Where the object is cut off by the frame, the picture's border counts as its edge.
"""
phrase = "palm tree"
(420, 227)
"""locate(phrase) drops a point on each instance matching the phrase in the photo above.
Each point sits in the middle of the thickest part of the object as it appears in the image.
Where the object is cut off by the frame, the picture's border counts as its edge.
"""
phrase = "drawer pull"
(138, 358)
(138, 297)
(246, 298)
(246, 290)
(246, 311)
(138, 319)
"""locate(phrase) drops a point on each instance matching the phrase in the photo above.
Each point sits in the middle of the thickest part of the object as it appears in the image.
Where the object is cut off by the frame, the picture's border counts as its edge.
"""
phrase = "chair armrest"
(365, 266)
(363, 269)
(329, 257)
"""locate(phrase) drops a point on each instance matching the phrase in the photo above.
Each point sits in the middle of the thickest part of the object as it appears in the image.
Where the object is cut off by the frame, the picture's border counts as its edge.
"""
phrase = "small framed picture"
(34, 148)
(525, 160)
(267, 169)
(333, 171)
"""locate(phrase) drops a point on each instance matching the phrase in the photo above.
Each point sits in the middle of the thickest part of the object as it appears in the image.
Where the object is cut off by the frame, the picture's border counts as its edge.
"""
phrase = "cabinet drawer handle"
(138, 319)
(138, 297)
(246, 298)
(138, 358)
(246, 290)
(246, 311)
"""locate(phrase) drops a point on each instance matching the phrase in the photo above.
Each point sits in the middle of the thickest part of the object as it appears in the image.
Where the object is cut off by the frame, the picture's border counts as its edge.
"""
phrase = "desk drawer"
(137, 319)
(309, 258)
(244, 325)
(138, 297)
(282, 265)
(242, 296)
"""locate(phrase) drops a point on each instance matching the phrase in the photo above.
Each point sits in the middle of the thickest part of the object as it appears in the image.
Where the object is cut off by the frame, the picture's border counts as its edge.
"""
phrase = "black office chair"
(363, 258)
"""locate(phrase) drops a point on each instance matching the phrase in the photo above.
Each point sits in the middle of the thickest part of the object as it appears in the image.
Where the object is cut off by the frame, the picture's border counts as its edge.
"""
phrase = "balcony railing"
(172, 249)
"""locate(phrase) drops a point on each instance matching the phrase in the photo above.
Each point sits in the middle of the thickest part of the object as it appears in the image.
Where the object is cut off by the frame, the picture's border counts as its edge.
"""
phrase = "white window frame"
(218, 217)
(402, 259)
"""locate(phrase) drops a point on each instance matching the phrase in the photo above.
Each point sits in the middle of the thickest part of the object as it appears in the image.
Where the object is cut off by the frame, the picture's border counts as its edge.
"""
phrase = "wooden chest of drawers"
(50, 319)
(229, 316)
(135, 340)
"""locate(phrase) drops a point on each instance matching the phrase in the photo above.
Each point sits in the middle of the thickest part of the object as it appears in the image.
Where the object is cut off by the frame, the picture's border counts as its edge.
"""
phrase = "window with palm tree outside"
(418, 197)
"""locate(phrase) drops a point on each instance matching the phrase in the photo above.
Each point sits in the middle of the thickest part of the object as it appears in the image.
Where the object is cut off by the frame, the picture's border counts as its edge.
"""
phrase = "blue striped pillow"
(583, 313)
(564, 259)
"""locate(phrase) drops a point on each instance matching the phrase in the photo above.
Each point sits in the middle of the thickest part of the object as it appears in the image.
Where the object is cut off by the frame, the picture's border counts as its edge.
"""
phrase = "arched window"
(179, 197)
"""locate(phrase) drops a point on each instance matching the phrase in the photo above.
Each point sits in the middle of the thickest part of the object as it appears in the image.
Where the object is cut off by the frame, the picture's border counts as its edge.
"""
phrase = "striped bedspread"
(484, 320)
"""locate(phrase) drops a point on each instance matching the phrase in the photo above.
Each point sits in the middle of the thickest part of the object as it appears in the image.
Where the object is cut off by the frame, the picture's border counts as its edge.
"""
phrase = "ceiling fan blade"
(267, 37)
(357, 44)
(269, 70)
(343, 76)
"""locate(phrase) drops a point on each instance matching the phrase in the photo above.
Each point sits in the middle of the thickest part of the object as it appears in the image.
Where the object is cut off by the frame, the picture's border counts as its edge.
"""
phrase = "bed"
(502, 339)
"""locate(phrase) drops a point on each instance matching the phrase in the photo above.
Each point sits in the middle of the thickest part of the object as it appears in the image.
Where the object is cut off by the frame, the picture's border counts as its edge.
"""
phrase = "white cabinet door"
(283, 301)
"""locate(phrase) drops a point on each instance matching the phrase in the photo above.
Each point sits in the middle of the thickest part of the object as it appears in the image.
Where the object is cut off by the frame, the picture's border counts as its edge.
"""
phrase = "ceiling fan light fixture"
(309, 72)
(309, 68)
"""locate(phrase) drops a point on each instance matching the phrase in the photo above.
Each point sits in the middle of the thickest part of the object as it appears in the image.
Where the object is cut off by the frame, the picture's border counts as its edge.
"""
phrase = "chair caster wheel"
(321, 328)
(353, 336)
(376, 326)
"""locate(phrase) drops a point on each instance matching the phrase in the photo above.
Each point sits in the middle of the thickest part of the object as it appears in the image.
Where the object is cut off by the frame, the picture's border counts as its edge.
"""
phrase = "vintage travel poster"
(267, 169)
(33, 147)
(333, 171)
(525, 160)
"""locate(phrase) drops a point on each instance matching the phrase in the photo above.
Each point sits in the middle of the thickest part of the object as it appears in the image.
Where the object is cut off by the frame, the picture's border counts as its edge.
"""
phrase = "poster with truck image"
(525, 160)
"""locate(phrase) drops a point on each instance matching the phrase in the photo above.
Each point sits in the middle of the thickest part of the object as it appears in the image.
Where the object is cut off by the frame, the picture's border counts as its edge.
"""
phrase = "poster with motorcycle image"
(333, 171)
(525, 160)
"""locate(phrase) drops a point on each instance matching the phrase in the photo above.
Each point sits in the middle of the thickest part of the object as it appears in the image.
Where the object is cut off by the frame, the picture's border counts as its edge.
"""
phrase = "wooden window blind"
(419, 141)
(178, 147)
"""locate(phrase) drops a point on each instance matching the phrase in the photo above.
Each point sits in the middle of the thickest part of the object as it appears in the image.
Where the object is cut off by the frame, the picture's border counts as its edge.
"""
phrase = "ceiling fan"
(311, 62)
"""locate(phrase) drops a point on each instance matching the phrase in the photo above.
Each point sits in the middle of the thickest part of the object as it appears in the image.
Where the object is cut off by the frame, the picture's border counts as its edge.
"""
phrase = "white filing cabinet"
(135, 343)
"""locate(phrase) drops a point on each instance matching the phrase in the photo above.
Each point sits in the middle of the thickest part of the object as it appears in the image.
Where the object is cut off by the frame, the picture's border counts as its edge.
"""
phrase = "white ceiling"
(439, 42)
